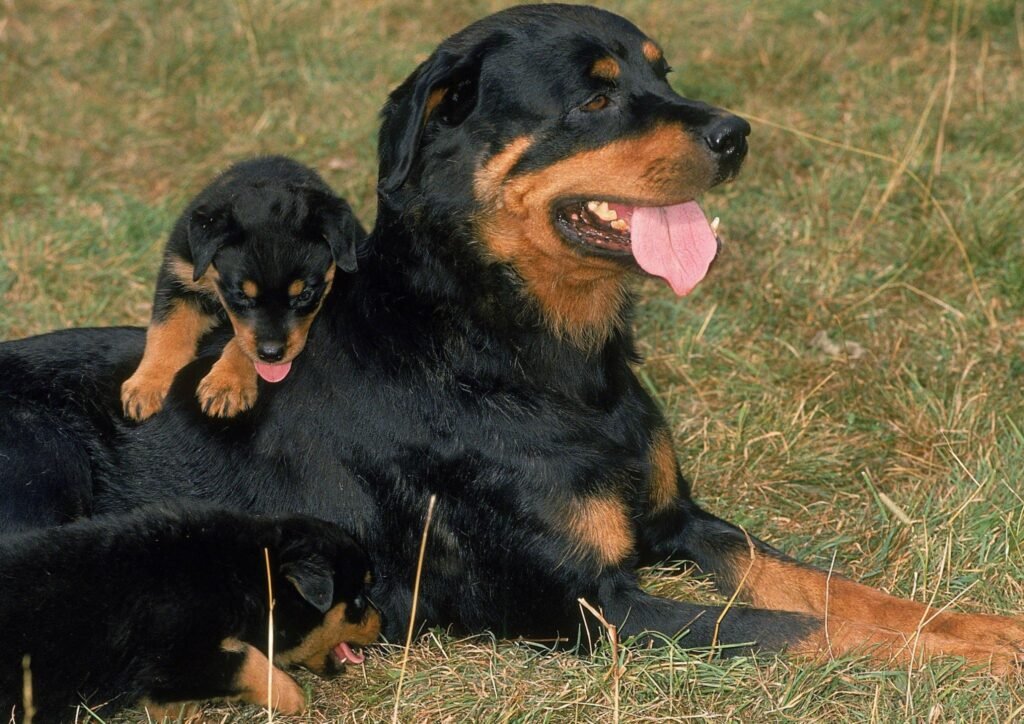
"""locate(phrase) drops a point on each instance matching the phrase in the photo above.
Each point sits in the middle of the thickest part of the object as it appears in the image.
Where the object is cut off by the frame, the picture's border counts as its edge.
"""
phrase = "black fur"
(434, 371)
(263, 225)
(135, 608)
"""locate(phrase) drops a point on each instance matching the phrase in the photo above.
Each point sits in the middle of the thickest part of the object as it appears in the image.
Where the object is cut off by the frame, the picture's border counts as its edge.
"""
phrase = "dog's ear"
(340, 227)
(313, 578)
(209, 229)
(444, 86)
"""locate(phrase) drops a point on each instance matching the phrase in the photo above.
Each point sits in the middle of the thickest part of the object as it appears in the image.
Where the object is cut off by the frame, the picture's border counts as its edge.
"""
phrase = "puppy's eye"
(597, 103)
(305, 296)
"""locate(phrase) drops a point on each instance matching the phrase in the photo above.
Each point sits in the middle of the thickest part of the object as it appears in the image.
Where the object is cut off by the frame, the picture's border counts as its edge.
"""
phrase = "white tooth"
(592, 206)
(714, 225)
(620, 225)
(604, 213)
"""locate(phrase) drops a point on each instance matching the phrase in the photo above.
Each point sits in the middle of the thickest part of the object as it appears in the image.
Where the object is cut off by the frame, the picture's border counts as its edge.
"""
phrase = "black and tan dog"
(259, 244)
(531, 167)
(163, 607)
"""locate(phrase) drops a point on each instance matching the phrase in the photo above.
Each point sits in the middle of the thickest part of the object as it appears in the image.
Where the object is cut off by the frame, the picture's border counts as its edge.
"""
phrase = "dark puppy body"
(258, 247)
(170, 606)
(483, 353)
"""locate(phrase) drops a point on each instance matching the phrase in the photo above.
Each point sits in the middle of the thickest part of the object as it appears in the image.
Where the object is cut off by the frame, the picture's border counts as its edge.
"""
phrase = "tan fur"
(230, 385)
(313, 650)
(433, 101)
(170, 345)
(606, 69)
(861, 619)
(581, 296)
(651, 51)
(664, 486)
(600, 526)
(286, 696)
(183, 272)
(250, 288)
(296, 287)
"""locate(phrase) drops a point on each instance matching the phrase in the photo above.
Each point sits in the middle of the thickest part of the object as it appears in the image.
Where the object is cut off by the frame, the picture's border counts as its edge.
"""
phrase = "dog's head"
(321, 597)
(550, 134)
(273, 234)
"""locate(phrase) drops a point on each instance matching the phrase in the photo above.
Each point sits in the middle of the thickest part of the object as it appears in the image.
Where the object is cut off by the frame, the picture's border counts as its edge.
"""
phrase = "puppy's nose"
(270, 351)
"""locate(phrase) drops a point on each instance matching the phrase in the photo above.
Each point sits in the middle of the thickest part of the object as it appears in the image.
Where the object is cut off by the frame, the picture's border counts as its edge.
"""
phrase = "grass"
(880, 204)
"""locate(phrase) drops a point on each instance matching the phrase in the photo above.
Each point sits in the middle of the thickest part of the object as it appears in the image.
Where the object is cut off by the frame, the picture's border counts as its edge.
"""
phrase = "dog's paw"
(287, 697)
(142, 396)
(224, 394)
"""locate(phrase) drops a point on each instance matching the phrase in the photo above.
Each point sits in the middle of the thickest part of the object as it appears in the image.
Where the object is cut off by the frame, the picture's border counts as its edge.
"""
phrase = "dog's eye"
(597, 103)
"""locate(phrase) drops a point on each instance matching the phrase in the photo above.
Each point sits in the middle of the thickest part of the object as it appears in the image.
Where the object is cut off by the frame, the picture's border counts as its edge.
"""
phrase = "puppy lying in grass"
(167, 607)
(259, 245)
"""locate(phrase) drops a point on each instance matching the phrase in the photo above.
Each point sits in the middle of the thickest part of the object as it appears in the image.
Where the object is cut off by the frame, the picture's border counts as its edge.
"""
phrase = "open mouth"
(345, 654)
(603, 225)
(674, 242)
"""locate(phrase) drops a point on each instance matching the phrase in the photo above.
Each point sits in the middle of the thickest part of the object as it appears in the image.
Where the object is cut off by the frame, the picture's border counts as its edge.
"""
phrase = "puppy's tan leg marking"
(170, 345)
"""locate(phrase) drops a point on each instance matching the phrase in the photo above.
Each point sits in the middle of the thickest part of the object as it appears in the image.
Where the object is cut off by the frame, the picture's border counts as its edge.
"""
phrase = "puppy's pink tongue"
(272, 373)
(675, 243)
(345, 654)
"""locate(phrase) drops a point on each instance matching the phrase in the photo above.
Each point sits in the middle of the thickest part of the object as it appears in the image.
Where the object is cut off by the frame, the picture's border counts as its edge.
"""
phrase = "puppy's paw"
(288, 697)
(224, 393)
(142, 396)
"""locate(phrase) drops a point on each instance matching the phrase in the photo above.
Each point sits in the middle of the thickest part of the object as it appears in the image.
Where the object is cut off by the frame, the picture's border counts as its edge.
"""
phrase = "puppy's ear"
(445, 87)
(208, 231)
(342, 230)
(313, 578)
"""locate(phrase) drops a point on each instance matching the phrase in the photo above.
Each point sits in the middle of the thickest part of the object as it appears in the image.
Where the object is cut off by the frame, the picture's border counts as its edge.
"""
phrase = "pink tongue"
(673, 242)
(272, 373)
(346, 654)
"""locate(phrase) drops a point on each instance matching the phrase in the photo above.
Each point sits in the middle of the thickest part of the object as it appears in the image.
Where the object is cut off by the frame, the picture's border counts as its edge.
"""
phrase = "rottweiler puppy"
(168, 606)
(259, 245)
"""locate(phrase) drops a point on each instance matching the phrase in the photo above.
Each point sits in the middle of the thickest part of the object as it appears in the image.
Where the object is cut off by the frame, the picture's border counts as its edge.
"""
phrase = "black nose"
(726, 136)
(270, 351)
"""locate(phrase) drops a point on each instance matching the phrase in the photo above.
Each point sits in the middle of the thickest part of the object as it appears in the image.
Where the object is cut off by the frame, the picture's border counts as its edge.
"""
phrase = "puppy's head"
(552, 135)
(274, 247)
(322, 607)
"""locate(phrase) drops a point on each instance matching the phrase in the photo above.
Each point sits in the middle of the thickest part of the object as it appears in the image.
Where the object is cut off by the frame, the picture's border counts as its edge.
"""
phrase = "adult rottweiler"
(484, 353)
(171, 605)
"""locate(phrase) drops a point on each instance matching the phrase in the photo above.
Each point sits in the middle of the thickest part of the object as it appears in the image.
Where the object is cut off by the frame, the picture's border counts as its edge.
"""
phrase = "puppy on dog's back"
(167, 606)
(258, 246)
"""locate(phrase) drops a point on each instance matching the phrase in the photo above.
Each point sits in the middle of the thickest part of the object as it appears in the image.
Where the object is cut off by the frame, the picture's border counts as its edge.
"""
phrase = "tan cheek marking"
(581, 297)
(250, 289)
(664, 485)
(600, 526)
(313, 650)
(606, 69)
(296, 287)
(651, 51)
